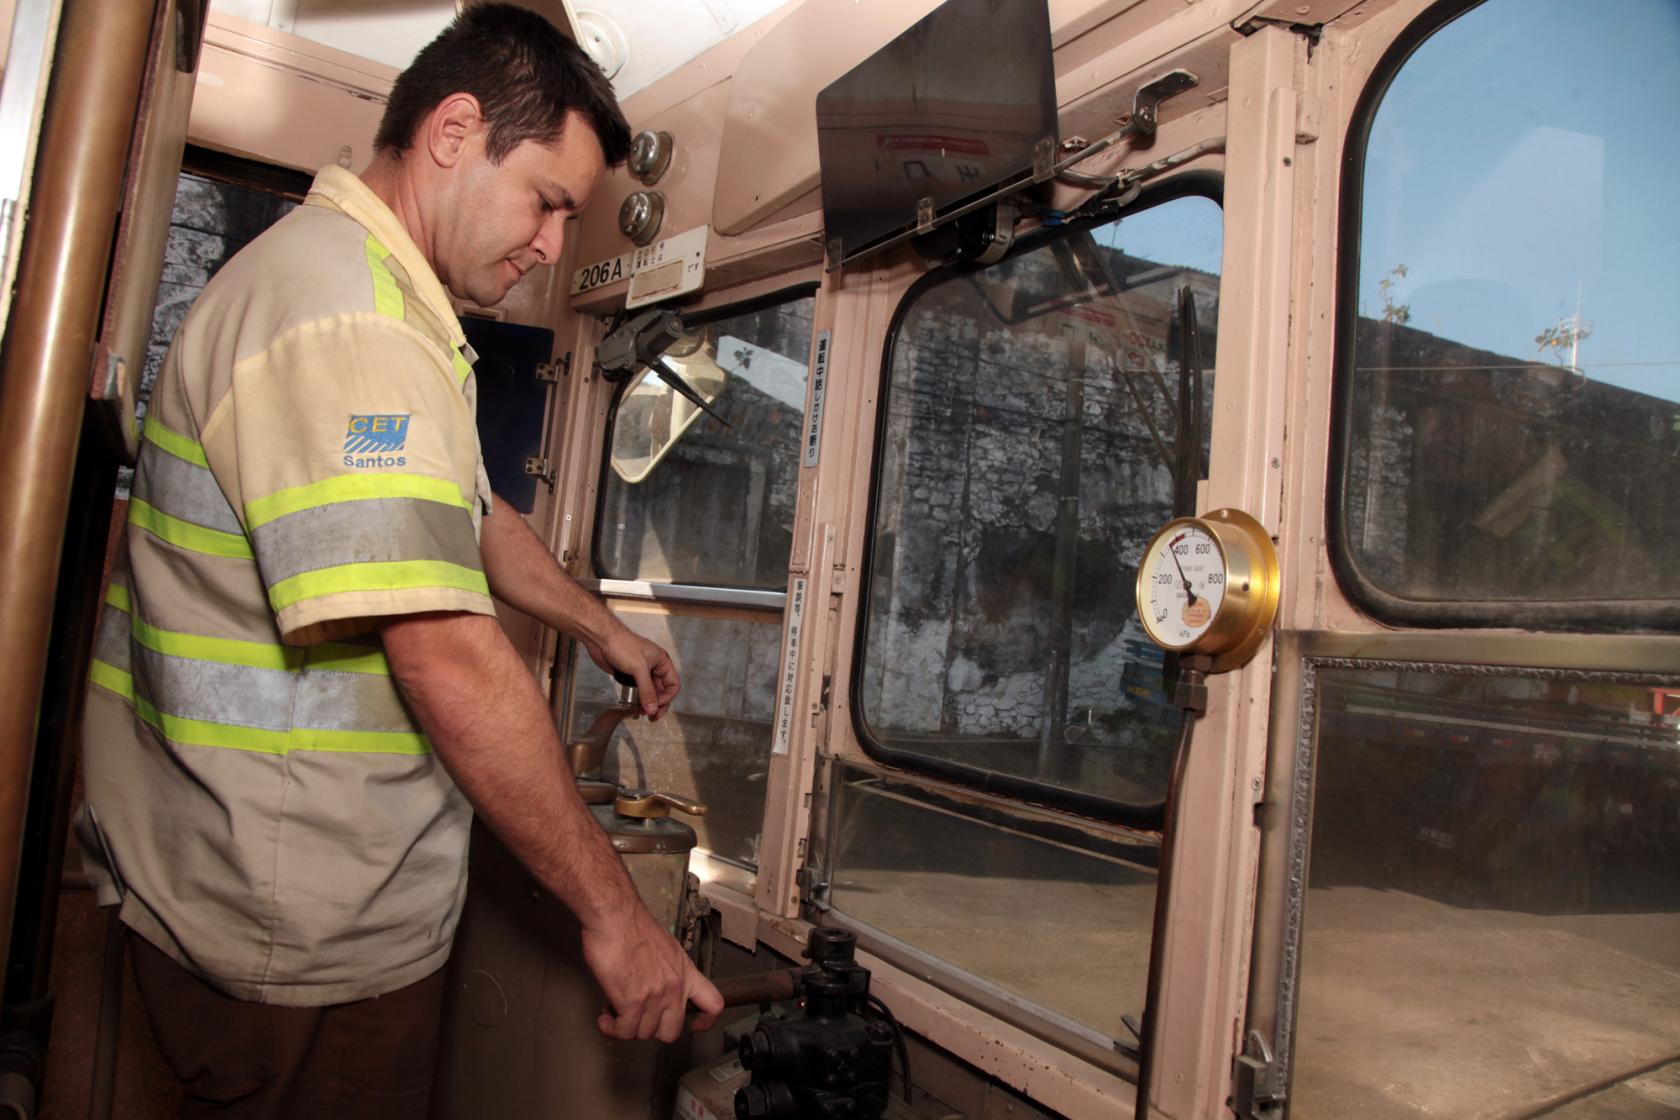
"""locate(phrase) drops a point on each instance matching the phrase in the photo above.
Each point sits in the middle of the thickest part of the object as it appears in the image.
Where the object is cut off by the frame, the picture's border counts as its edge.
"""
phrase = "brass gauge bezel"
(1250, 598)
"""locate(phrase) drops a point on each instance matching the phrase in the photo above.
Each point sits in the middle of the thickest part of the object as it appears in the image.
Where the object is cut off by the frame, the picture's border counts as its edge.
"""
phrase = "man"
(300, 673)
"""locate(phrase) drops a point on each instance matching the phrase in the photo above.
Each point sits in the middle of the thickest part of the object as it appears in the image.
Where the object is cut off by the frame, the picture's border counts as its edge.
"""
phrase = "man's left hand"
(657, 683)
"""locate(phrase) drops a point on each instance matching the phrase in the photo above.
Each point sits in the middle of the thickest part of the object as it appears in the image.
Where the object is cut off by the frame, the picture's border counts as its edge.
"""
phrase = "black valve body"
(827, 1062)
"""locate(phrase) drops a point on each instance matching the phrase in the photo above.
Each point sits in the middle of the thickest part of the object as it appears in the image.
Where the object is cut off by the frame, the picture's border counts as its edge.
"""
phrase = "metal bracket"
(1312, 32)
(1044, 158)
(924, 215)
(1146, 103)
(1258, 1093)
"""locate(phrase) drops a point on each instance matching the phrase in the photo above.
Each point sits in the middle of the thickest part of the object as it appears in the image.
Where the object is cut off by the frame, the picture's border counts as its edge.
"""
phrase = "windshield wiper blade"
(676, 381)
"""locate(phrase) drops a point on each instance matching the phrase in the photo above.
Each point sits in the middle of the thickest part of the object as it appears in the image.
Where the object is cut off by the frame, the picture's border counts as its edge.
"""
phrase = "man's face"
(502, 220)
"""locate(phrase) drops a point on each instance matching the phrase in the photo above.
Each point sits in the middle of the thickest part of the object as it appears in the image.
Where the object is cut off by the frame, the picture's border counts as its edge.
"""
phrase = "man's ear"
(450, 128)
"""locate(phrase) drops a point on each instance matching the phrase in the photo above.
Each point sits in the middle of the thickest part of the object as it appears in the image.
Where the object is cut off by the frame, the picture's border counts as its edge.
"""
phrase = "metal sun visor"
(909, 140)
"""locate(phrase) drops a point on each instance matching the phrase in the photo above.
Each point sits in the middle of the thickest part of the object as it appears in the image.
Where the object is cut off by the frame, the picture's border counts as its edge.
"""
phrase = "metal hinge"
(555, 370)
(540, 467)
(1259, 1093)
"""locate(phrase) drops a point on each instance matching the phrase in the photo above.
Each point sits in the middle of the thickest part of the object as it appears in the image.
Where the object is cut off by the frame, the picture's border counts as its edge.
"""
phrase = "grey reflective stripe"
(182, 489)
(350, 702)
(111, 644)
(373, 530)
(270, 699)
(214, 692)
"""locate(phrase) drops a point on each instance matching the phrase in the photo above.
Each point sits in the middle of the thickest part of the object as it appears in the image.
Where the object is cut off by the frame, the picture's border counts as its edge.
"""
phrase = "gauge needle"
(1189, 595)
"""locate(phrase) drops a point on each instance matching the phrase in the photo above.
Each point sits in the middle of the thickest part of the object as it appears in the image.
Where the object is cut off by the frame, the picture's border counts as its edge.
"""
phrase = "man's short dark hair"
(524, 72)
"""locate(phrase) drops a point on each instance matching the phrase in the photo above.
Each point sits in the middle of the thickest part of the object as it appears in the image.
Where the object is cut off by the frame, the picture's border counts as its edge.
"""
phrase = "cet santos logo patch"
(371, 440)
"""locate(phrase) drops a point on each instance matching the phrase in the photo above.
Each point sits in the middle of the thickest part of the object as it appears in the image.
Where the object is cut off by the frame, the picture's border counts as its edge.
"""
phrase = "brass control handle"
(646, 805)
(586, 755)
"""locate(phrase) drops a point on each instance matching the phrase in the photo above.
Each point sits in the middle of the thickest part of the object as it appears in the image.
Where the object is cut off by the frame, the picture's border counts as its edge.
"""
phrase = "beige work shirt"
(310, 467)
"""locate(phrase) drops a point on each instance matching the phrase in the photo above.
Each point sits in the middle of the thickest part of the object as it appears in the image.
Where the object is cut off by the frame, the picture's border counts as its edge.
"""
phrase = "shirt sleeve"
(356, 461)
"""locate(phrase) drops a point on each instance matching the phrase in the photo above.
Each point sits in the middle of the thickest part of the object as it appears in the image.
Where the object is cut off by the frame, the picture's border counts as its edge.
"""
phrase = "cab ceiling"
(636, 41)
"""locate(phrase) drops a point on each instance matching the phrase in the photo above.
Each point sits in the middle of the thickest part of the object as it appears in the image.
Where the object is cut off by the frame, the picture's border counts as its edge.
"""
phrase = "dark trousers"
(367, 1060)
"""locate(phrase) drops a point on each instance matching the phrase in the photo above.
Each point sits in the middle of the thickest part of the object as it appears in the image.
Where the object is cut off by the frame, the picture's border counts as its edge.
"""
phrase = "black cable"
(875, 1003)
(1189, 467)
(1163, 887)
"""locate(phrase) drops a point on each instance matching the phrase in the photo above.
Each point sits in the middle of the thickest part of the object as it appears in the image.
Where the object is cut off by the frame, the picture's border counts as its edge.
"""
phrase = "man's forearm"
(488, 722)
(525, 575)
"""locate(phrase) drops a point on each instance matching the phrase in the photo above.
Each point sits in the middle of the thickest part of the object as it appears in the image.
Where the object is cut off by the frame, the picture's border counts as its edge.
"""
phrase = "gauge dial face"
(1184, 585)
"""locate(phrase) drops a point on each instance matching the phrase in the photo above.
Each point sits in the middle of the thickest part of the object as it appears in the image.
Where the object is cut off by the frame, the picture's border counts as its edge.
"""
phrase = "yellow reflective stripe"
(335, 657)
(360, 742)
(338, 658)
(184, 534)
(352, 488)
(225, 651)
(116, 594)
(108, 676)
(176, 444)
(258, 740)
(387, 297)
(202, 733)
(392, 575)
(332, 657)
(463, 368)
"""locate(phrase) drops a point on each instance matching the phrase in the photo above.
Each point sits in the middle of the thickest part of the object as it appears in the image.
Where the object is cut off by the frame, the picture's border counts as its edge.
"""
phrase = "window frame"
(1291, 783)
(1148, 816)
(728, 594)
(1361, 588)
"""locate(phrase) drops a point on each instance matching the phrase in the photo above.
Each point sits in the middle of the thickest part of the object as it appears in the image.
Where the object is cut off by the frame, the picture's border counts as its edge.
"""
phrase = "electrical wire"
(875, 1004)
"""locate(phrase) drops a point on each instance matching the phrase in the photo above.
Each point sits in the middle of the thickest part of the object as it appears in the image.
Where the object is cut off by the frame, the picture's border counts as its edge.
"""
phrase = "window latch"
(1259, 1093)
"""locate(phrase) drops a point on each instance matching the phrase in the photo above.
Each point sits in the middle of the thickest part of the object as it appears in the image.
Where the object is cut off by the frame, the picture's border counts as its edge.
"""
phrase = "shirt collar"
(336, 187)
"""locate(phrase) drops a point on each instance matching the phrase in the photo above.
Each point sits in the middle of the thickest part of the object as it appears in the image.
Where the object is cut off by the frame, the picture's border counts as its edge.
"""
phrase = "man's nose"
(550, 236)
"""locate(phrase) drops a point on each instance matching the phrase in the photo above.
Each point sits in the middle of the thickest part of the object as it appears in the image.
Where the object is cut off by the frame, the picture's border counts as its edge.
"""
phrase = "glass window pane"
(1060, 917)
(1492, 916)
(1028, 455)
(1513, 425)
(210, 222)
(686, 499)
(713, 746)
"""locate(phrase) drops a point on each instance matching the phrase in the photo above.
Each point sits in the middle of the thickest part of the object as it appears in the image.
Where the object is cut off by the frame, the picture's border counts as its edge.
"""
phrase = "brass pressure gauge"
(1209, 585)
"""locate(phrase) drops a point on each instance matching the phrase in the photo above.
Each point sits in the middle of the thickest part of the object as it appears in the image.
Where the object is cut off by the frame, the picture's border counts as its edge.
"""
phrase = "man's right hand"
(647, 978)
(491, 727)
